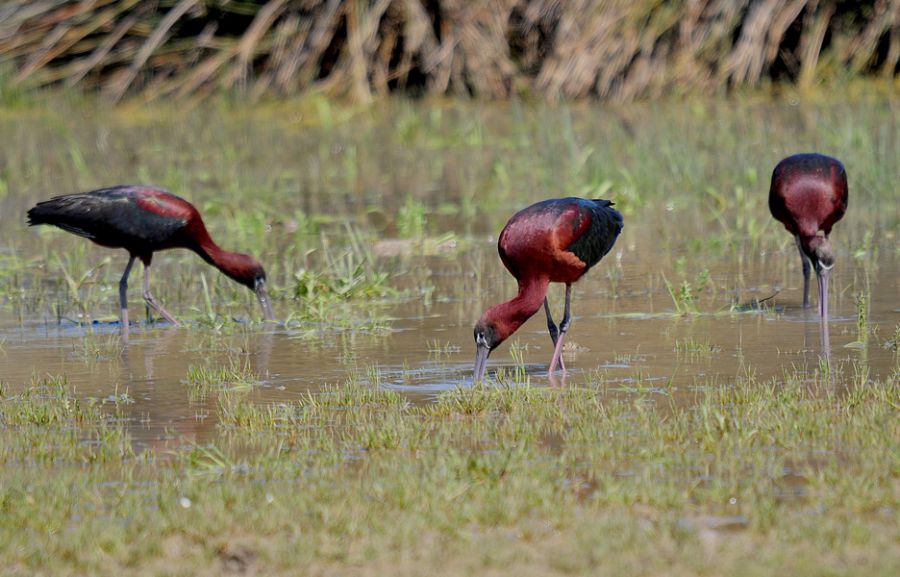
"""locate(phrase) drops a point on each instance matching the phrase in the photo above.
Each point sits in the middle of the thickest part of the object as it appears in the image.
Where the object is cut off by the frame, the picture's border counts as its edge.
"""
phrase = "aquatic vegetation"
(346, 275)
(862, 317)
(682, 297)
(411, 219)
(693, 348)
(205, 378)
(94, 347)
(46, 422)
(894, 342)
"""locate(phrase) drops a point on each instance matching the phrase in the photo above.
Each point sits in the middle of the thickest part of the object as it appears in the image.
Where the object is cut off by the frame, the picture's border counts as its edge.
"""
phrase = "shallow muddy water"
(630, 342)
(627, 334)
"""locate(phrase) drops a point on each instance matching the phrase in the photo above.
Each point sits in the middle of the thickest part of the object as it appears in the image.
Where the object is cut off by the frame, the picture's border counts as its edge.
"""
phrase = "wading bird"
(808, 195)
(556, 240)
(143, 220)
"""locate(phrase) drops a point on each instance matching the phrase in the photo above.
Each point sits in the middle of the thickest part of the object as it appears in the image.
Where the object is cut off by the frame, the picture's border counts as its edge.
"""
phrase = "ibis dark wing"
(111, 217)
(601, 233)
(839, 197)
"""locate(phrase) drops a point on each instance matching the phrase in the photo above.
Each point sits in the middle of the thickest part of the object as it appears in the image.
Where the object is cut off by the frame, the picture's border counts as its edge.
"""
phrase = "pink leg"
(554, 332)
(151, 300)
(563, 328)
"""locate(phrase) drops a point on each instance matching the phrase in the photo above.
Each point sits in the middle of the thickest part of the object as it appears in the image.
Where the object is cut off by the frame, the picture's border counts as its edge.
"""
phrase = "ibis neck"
(510, 315)
(215, 255)
(806, 241)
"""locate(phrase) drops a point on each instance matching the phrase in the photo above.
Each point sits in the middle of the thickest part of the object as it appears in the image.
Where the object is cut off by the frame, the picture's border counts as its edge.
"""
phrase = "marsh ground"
(699, 430)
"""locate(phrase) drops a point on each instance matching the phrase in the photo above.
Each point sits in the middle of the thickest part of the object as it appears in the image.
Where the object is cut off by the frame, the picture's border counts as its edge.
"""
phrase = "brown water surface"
(629, 337)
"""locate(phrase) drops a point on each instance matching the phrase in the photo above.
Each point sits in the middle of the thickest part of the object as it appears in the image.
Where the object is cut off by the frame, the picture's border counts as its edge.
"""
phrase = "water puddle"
(658, 354)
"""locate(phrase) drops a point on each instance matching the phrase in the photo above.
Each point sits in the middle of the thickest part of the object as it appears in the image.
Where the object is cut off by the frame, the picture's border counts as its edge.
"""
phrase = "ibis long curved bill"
(481, 357)
(262, 295)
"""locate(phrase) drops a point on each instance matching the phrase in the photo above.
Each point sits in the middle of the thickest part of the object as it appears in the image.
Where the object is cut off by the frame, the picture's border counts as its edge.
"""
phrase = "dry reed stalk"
(811, 46)
(609, 49)
(117, 89)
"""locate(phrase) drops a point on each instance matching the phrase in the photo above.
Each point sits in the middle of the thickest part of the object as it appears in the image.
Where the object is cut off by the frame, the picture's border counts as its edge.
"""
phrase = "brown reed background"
(616, 50)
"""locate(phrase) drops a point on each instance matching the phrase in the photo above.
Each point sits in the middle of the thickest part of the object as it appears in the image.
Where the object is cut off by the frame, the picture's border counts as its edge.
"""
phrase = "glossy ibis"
(808, 195)
(556, 240)
(143, 220)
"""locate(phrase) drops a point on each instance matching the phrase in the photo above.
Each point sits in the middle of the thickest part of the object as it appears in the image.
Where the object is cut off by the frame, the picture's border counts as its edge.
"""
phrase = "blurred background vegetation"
(613, 50)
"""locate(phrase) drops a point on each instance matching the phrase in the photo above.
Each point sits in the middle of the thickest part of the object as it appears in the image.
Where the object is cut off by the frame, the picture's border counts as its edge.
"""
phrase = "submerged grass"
(751, 477)
(204, 379)
(693, 349)
(46, 425)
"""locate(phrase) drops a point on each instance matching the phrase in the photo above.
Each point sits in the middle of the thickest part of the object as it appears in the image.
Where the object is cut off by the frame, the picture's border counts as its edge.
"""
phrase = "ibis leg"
(554, 331)
(563, 328)
(806, 272)
(123, 296)
(151, 300)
